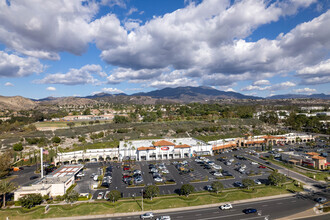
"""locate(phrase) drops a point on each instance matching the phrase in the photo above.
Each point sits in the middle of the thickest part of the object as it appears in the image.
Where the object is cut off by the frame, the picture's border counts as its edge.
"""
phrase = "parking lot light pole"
(142, 199)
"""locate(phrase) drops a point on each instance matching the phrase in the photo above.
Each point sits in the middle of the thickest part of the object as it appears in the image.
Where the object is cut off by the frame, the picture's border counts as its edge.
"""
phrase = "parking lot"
(170, 175)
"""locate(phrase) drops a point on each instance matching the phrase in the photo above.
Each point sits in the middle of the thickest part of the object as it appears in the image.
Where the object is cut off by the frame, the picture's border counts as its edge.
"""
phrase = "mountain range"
(186, 94)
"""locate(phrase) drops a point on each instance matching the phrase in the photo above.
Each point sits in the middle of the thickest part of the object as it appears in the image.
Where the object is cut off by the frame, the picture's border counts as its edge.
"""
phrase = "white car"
(80, 174)
(100, 195)
(95, 178)
(231, 160)
(198, 160)
(147, 215)
(254, 163)
(165, 171)
(217, 174)
(106, 194)
(257, 182)
(243, 166)
(217, 167)
(158, 179)
(166, 217)
(226, 206)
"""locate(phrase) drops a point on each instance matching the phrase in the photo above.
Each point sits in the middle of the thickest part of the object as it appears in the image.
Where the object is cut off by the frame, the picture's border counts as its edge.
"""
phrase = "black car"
(34, 177)
(249, 211)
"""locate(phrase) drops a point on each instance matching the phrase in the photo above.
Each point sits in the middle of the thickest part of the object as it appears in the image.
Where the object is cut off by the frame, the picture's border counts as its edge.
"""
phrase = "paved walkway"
(170, 210)
(302, 215)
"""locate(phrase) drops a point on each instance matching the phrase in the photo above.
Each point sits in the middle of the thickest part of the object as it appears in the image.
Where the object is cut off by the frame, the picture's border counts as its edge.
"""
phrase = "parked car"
(254, 163)
(137, 172)
(226, 206)
(147, 215)
(263, 167)
(95, 178)
(34, 177)
(158, 179)
(217, 167)
(126, 168)
(106, 194)
(238, 184)
(243, 166)
(257, 182)
(208, 188)
(211, 163)
(154, 170)
(166, 217)
(80, 174)
(249, 211)
(100, 195)
(321, 200)
(165, 171)
(228, 163)
(217, 174)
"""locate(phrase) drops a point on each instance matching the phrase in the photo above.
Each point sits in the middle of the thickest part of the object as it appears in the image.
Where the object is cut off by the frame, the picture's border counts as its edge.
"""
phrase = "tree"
(276, 178)
(31, 200)
(87, 111)
(5, 163)
(120, 119)
(70, 124)
(247, 183)
(6, 187)
(56, 140)
(151, 191)
(18, 147)
(217, 186)
(71, 196)
(91, 122)
(114, 195)
(187, 189)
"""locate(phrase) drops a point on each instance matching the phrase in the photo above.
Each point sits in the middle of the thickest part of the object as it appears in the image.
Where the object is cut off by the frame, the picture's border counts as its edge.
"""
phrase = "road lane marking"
(264, 205)
(225, 216)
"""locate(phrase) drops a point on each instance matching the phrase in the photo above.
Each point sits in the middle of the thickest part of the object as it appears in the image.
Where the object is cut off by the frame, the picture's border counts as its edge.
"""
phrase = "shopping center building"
(174, 148)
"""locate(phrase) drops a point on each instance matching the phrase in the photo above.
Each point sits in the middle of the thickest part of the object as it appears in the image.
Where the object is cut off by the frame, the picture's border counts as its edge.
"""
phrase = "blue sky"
(79, 48)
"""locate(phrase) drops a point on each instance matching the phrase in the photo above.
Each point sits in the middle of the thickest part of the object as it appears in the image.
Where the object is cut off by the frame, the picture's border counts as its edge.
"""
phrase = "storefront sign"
(165, 148)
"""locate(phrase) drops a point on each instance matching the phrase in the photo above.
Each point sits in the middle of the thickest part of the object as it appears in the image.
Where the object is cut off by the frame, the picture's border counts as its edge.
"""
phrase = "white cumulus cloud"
(50, 88)
(9, 84)
(305, 90)
(84, 75)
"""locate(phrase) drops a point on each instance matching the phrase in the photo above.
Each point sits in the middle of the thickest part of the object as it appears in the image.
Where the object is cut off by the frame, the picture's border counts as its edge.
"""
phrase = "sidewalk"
(305, 214)
(169, 210)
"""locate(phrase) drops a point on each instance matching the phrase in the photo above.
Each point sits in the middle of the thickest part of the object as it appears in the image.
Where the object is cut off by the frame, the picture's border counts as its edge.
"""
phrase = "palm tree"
(6, 187)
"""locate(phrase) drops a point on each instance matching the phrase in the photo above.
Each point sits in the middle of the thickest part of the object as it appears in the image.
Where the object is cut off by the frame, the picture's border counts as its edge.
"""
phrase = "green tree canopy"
(276, 178)
(114, 195)
(71, 196)
(247, 183)
(18, 146)
(6, 187)
(217, 186)
(31, 200)
(187, 189)
(56, 140)
(151, 191)
(5, 163)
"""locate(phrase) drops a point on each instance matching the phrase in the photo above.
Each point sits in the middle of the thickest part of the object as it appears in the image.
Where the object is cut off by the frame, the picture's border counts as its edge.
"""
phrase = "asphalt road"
(273, 209)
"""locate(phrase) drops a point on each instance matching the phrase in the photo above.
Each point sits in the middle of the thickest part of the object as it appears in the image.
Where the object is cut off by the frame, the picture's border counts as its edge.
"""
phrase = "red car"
(263, 167)
(126, 176)
(126, 168)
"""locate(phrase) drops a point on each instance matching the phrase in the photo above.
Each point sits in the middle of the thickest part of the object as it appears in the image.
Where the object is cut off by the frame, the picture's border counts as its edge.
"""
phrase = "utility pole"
(41, 163)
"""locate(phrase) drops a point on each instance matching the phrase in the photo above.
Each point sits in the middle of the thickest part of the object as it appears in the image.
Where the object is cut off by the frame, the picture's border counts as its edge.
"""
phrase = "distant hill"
(193, 94)
(300, 96)
(16, 103)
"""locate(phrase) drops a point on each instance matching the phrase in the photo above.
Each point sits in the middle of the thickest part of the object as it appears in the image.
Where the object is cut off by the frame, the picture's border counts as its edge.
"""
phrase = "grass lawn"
(318, 176)
(62, 124)
(131, 205)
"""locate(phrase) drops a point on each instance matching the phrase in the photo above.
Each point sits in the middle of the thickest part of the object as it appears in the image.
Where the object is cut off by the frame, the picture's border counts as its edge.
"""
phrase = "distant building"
(309, 159)
(54, 184)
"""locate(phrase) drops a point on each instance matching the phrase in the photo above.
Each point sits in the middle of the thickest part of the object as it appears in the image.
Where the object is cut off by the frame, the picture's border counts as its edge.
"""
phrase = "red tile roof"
(163, 143)
(182, 146)
(318, 158)
(223, 146)
(146, 148)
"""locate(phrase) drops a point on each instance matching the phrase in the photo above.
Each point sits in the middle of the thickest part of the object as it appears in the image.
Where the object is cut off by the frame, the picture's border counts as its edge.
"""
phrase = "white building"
(54, 184)
(175, 148)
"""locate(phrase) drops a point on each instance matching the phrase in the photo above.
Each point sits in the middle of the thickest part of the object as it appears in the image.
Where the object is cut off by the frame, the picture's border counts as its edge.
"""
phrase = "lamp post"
(142, 199)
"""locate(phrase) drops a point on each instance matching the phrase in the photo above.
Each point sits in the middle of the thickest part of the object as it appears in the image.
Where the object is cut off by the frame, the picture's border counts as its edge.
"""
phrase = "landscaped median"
(133, 205)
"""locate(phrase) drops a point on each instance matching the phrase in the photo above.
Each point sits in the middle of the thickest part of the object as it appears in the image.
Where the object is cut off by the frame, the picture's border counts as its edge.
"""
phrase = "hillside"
(300, 96)
(16, 103)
